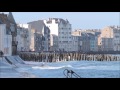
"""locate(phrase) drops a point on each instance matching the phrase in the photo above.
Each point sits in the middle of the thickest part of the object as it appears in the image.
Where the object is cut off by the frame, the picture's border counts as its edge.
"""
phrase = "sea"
(83, 69)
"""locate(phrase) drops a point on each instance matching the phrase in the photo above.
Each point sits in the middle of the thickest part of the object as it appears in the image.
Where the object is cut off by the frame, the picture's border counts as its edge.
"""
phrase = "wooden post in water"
(71, 57)
(81, 57)
(94, 57)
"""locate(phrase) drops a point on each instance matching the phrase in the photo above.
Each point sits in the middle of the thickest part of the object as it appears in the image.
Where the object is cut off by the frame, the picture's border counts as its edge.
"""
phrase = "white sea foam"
(90, 69)
(51, 67)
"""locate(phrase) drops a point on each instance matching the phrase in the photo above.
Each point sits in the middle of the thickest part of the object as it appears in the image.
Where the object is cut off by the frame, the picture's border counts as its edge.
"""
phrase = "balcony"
(14, 43)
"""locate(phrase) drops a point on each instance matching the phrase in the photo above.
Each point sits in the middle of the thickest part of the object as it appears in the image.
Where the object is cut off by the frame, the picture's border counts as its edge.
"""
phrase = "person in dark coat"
(1, 53)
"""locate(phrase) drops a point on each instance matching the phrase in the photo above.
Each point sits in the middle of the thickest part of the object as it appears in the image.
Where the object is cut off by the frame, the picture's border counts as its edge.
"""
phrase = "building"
(61, 28)
(77, 32)
(53, 42)
(87, 40)
(76, 40)
(22, 38)
(32, 40)
(5, 41)
(53, 25)
(110, 38)
(75, 43)
(39, 36)
(11, 29)
(80, 41)
(93, 41)
(107, 44)
(23, 25)
(64, 35)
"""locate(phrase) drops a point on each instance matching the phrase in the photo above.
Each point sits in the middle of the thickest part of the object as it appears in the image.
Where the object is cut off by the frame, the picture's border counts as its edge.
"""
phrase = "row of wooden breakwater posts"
(56, 57)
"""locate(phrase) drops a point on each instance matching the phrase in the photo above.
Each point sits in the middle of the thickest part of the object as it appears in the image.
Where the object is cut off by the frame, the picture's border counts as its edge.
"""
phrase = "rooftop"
(8, 20)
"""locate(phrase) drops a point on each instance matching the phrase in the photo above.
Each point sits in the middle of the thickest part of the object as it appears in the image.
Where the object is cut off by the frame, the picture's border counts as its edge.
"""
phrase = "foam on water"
(51, 67)
(86, 69)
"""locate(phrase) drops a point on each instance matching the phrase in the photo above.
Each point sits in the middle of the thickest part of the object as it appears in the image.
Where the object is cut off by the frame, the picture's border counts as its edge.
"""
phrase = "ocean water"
(85, 69)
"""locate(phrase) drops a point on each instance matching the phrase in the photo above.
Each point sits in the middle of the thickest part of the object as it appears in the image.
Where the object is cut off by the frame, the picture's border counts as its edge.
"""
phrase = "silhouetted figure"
(1, 54)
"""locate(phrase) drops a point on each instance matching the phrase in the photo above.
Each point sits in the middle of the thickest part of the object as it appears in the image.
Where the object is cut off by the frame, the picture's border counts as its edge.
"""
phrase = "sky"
(79, 20)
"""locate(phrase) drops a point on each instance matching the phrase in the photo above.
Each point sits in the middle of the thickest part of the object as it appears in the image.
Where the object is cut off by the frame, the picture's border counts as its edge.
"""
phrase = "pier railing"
(70, 74)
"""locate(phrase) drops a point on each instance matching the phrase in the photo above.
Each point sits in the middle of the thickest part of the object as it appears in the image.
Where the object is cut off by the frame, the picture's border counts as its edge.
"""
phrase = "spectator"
(1, 53)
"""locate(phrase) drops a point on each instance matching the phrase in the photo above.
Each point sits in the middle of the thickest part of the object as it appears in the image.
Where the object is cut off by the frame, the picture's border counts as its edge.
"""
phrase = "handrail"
(70, 73)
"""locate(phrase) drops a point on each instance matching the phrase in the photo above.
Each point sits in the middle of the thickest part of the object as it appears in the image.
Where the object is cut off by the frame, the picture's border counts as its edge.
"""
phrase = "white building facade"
(52, 24)
(62, 28)
(5, 41)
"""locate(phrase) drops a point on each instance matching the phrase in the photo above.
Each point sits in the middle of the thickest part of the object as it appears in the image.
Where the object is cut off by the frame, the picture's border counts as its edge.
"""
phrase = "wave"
(98, 67)
(51, 67)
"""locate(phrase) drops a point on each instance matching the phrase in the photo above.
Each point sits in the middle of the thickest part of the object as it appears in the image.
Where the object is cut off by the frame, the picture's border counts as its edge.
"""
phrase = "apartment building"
(62, 28)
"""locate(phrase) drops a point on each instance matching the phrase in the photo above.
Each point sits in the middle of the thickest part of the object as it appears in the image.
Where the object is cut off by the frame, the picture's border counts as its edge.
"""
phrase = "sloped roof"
(61, 20)
(11, 18)
(4, 19)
